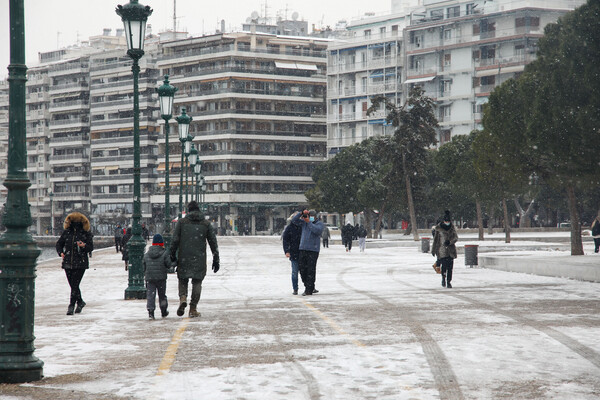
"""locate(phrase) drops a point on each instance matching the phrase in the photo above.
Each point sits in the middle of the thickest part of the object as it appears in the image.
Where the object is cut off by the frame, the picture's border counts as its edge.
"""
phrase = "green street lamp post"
(166, 94)
(203, 187)
(192, 158)
(51, 196)
(18, 250)
(134, 17)
(184, 128)
(187, 150)
(197, 171)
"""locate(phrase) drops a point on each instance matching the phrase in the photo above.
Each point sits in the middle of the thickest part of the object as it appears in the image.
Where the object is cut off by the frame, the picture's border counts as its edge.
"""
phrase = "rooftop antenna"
(174, 15)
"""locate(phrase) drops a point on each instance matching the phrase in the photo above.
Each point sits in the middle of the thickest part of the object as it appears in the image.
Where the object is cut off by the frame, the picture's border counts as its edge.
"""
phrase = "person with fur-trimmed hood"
(444, 247)
(75, 246)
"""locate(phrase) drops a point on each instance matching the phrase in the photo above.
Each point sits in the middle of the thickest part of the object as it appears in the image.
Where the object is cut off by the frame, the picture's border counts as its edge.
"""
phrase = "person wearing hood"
(124, 247)
(156, 264)
(189, 250)
(347, 233)
(291, 248)
(310, 245)
(444, 247)
(75, 246)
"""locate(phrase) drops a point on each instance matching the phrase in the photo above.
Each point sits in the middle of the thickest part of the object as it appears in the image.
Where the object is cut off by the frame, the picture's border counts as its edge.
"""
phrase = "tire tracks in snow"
(311, 383)
(443, 374)
(577, 347)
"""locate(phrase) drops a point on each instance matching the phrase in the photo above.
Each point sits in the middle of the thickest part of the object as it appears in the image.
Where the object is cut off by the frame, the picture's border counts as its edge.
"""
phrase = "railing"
(74, 103)
(248, 70)
(115, 121)
(307, 114)
(69, 121)
(69, 86)
(206, 92)
(231, 47)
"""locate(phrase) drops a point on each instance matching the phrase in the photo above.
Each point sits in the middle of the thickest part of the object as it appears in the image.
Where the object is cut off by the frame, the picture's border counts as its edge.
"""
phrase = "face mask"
(447, 223)
(311, 219)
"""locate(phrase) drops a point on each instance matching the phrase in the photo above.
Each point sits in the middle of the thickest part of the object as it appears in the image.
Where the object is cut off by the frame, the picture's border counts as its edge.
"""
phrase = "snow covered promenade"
(382, 327)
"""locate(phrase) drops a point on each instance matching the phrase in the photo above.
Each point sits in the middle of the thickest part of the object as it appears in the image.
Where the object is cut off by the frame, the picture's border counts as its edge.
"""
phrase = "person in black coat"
(124, 248)
(291, 247)
(75, 246)
(347, 234)
(596, 232)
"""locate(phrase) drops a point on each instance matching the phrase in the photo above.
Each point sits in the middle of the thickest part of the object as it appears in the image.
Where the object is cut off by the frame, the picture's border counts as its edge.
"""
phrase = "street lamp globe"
(134, 17)
(198, 167)
(193, 156)
(166, 94)
(184, 125)
(188, 145)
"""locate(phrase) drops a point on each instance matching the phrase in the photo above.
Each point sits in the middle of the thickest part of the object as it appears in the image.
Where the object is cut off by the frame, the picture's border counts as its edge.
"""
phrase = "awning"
(417, 80)
(487, 72)
(279, 64)
(293, 65)
(307, 67)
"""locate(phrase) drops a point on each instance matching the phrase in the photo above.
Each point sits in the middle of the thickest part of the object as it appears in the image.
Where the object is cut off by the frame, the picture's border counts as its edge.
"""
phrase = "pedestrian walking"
(291, 248)
(118, 237)
(145, 232)
(156, 263)
(347, 233)
(362, 238)
(310, 245)
(325, 236)
(444, 247)
(125, 248)
(596, 232)
(189, 250)
(75, 246)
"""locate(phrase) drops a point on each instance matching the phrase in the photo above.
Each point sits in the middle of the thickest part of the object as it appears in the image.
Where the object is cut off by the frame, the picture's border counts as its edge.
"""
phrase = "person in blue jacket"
(291, 248)
(310, 245)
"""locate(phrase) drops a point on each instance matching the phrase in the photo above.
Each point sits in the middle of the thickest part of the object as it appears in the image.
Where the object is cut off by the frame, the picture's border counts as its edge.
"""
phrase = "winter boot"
(150, 314)
(164, 313)
(182, 305)
(80, 305)
(193, 312)
(443, 281)
(70, 309)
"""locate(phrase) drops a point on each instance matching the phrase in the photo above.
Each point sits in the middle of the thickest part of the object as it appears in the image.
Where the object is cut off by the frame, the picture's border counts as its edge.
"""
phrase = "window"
(437, 14)
(446, 87)
(447, 34)
(382, 30)
(476, 29)
(367, 33)
(520, 50)
(445, 136)
(527, 22)
(364, 81)
(488, 80)
(470, 9)
(447, 60)
(453, 12)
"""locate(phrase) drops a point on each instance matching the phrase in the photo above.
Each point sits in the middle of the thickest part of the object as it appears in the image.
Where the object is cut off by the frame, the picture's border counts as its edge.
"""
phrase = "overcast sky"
(52, 24)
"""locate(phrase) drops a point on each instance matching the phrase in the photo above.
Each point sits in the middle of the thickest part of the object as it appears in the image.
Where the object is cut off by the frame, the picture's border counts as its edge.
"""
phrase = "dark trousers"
(196, 290)
(307, 265)
(118, 243)
(596, 244)
(447, 267)
(325, 242)
(74, 276)
(153, 286)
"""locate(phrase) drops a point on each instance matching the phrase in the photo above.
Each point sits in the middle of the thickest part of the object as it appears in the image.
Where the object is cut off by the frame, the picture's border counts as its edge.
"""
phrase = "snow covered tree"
(414, 124)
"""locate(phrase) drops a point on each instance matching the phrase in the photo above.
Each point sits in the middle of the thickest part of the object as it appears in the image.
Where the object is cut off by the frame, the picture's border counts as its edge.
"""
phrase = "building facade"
(258, 107)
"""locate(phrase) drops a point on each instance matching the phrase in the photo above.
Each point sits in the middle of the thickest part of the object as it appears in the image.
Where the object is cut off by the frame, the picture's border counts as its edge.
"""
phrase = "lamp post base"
(136, 288)
(21, 372)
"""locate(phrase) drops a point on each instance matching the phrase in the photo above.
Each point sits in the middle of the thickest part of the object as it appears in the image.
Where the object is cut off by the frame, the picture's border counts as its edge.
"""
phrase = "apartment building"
(111, 137)
(258, 106)
(366, 63)
(459, 51)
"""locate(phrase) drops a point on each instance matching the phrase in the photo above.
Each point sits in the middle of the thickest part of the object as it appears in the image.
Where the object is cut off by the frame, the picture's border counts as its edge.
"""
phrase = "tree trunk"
(479, 218)
(368, 220)
(491, 220)
(411, 204)
(576, 242)
(506, 221)
(524, 220)
(379, 223)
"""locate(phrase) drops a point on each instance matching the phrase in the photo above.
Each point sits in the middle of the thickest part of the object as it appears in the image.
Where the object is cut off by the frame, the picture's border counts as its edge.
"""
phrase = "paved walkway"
(381, 327)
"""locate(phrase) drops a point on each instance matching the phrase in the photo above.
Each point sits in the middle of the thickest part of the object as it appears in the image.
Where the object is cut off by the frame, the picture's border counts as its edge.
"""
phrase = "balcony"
(69, 69)
(69, 105)
(69, 87)
(66, 123)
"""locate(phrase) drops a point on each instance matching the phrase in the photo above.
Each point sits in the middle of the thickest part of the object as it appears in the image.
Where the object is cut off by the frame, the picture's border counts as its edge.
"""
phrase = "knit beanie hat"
(157, 240)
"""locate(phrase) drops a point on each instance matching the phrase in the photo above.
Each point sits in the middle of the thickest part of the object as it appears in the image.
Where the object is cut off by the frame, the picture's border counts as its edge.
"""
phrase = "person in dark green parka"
(189, 250)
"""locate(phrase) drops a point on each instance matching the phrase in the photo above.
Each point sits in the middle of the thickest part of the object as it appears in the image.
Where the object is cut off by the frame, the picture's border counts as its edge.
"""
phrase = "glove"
(447, 243)
(216, 264)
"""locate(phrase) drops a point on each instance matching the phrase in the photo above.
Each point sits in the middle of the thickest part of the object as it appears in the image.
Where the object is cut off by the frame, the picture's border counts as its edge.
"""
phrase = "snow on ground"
(382, 327)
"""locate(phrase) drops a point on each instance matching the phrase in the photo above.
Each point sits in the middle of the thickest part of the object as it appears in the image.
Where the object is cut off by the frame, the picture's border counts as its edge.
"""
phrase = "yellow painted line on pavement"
(169, 358)
(332, 323)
